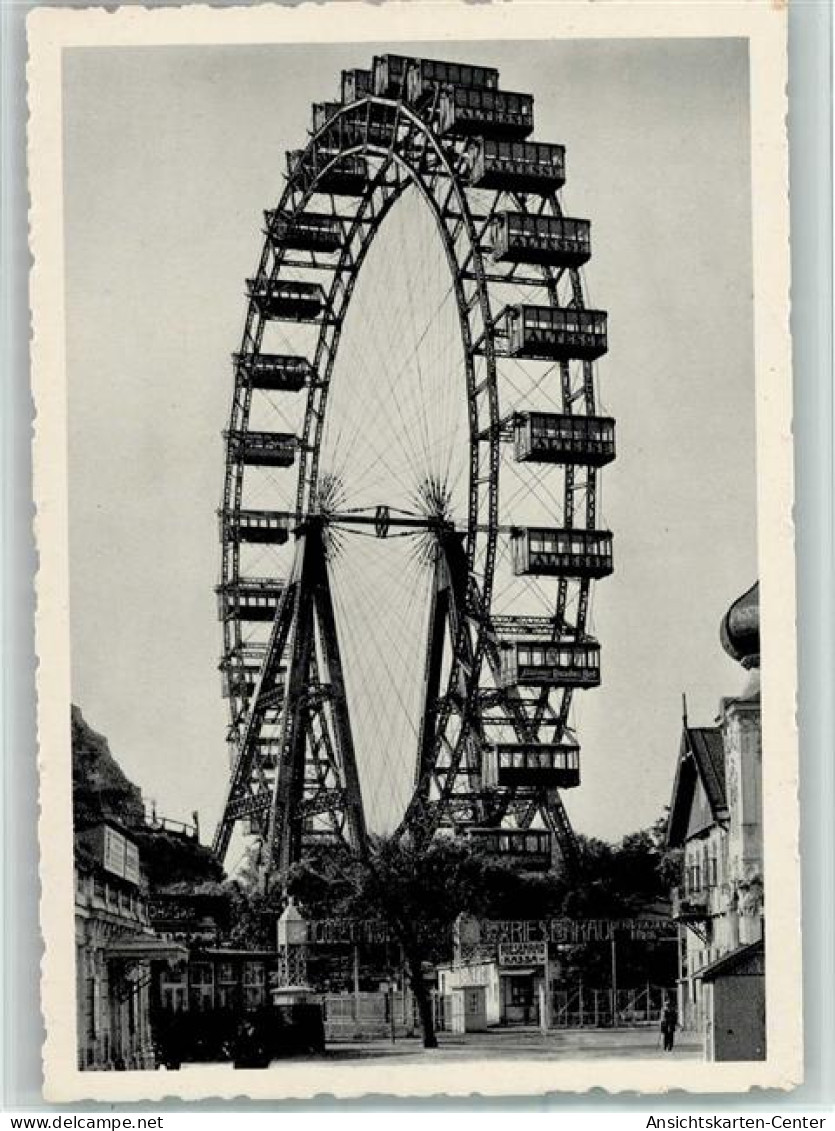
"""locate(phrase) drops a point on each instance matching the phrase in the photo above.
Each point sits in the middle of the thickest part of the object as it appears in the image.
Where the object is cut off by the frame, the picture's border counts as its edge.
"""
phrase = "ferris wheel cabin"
(249, 598)
(307, 231)
(370, 123)
(291, 300)
(555, 241)
(279, 372)
(397, 76)
(518, 166)
(551, 437)
(538, 663)
(262, 449)
(552, 552)
(324, 112)
(540, 765)
(345, 176)
(269, 528)
(356, 83)
(425, 76)
(549, 333)
(527, 848)
(482, 112)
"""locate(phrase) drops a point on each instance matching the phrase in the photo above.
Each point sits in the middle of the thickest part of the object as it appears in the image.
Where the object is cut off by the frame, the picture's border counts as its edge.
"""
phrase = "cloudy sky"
(170, 156)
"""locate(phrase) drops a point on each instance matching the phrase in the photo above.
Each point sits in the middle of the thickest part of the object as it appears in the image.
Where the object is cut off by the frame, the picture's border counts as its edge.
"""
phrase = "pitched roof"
(701, 759)
(709, 752)
(744, 960)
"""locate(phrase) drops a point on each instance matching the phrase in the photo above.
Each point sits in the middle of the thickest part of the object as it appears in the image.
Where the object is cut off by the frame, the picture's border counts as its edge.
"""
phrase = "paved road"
(516, 1044)
(528, 1044)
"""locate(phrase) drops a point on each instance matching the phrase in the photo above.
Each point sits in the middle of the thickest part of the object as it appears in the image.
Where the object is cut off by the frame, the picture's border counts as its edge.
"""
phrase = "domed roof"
(740, 628)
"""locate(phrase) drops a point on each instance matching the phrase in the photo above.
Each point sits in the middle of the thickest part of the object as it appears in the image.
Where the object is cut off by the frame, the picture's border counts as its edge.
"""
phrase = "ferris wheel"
(410, 523)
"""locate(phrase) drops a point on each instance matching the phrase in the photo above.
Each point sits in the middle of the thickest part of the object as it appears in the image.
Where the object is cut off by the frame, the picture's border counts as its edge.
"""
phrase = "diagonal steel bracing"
(300, 711)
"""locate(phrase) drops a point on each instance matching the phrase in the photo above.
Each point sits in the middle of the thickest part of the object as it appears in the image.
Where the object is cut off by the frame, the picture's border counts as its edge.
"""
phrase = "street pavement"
(527, 1044)
(517, 1043)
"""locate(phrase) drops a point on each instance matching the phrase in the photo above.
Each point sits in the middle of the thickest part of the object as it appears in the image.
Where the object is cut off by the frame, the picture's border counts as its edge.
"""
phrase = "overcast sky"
(170, 156)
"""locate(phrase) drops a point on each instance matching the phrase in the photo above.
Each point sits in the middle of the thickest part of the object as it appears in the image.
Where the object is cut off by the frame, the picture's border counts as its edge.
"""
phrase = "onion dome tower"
(739, 633)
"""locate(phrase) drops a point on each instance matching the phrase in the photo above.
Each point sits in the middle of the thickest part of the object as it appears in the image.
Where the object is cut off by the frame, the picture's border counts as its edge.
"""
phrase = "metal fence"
(587, 1007)
(376, 1015)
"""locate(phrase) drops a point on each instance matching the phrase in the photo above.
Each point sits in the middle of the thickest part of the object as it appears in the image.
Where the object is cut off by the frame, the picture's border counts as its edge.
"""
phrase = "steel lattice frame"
(402, 147)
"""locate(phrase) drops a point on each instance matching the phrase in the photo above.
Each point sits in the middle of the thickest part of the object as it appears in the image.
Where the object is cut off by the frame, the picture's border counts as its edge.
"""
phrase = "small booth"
(469, 1009)
(734, 1002)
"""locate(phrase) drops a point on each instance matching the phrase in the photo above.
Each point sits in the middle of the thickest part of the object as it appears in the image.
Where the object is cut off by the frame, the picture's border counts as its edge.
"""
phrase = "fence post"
(356, 982)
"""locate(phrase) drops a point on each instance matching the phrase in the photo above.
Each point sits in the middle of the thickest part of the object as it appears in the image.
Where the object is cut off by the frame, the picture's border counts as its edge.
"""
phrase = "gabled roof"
(709, 751)
(701, 759)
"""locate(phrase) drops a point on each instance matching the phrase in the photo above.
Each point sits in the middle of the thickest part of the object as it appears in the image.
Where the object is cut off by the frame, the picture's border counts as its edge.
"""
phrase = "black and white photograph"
(413, 468)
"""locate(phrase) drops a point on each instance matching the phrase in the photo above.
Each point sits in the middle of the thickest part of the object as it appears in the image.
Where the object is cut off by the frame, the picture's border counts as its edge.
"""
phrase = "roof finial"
(684, 708)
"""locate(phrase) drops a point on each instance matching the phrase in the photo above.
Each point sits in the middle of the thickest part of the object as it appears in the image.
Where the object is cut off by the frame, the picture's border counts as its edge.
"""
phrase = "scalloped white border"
(764, 24)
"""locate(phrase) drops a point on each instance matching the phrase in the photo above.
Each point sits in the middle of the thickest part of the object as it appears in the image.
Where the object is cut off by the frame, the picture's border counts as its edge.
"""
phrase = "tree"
(671, 860)
(418, 892)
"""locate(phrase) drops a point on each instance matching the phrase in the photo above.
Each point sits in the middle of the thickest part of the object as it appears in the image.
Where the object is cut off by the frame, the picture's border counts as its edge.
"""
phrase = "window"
(254, 984)
(201, 985)
(227, 978)
(521, 991)
(713, 872)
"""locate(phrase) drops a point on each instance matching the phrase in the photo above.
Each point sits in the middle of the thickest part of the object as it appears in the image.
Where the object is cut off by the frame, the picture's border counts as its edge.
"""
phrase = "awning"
(148, 947)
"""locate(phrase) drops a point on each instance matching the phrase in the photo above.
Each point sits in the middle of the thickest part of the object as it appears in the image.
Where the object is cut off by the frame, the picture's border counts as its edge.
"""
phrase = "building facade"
(716, 820)
(116, 951)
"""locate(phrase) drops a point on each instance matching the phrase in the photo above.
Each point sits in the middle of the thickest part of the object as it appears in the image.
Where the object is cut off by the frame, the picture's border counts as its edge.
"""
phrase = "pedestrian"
(669, 1021)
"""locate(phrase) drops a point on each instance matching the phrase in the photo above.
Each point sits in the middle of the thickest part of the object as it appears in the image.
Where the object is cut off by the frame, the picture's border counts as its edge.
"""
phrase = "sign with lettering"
(523, 954)
(492, 932)
(574, 931)
(114, 851)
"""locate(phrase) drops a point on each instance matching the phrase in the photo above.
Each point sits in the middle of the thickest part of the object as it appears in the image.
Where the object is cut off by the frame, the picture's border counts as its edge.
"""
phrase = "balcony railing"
(690, 905)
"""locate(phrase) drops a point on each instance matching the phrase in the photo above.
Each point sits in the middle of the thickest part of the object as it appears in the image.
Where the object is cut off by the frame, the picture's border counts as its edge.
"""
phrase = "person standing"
(669, 1021)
